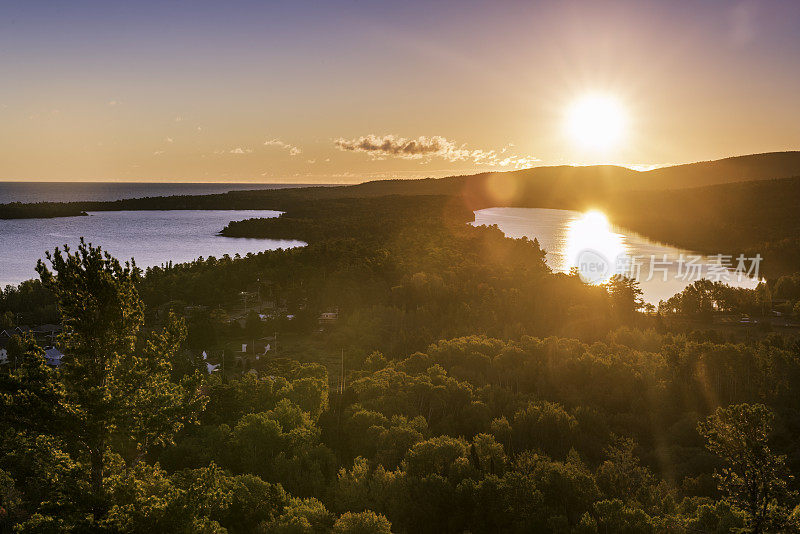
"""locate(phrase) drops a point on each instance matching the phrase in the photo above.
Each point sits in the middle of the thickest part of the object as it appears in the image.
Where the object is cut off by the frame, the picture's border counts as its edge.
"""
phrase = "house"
(3, 350)
(46, 329)
(53, 356)
(46, 333)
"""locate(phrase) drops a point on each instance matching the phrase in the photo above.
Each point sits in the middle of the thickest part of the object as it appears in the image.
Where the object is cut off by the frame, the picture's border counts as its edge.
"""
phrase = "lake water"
(598, 249)
(102, 191)
(151, 237)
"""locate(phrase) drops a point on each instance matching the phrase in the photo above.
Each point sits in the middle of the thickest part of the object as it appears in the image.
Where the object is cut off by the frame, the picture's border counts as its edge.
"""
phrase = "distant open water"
(151, 237)
(101, 191)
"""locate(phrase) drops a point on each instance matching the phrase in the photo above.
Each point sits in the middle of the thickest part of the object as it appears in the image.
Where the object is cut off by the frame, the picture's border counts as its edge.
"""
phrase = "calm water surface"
(101, 191)
(575, 239)
(150, 237)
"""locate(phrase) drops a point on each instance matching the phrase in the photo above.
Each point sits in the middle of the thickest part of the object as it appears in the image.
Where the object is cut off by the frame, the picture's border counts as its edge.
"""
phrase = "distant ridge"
(766, 166)
(565, 187)
(578, 187)
(745, 203)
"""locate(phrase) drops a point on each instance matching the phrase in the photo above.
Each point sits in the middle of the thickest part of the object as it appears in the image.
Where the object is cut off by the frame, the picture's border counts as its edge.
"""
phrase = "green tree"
(10, 501)
(613, 516)
(362, 523)
(239, 503)
(116, 397)
(437, 455)
(753, 477)
(546, 426)
(622, 477)
(302, 516)
(625, 294)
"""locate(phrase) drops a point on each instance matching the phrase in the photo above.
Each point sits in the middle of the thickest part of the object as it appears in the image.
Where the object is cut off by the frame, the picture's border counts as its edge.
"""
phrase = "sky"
(339, 92)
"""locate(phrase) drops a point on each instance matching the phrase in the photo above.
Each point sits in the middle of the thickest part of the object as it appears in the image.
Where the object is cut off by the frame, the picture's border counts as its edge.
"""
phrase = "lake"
(151, 237)
(598, 249)
(106, 191)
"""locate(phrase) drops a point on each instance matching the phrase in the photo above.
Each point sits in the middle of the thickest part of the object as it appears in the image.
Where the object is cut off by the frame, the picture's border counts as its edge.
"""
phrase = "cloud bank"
(425, 147)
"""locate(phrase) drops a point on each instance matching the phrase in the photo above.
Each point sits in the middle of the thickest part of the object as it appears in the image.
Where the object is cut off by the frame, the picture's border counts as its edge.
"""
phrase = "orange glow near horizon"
(147, 92)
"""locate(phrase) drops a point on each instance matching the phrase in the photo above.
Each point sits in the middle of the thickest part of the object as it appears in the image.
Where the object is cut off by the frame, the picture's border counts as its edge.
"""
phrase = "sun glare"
(596, 122)
(593, 247)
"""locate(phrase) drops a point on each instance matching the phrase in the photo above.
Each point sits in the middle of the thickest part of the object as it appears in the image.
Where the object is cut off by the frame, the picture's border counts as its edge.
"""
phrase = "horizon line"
(637, 167)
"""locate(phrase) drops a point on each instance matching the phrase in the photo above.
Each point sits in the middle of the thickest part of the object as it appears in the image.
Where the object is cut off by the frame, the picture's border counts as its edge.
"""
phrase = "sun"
(596, 122)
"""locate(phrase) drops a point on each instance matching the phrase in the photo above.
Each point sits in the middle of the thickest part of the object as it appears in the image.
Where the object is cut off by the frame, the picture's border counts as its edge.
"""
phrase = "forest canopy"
(462, 386)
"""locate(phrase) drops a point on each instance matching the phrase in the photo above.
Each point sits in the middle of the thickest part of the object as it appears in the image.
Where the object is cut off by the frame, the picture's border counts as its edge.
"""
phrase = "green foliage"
(443, 455)
(362, 523)
(753, 478)
(481, 393)
(107, 396)
(544, 426)
(716, 518)
(302, 516)
(614, 516)
(281, 444)
(625, 294)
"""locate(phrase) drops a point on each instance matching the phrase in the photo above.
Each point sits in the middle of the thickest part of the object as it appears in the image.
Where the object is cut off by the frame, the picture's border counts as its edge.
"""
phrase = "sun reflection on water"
(594, 248)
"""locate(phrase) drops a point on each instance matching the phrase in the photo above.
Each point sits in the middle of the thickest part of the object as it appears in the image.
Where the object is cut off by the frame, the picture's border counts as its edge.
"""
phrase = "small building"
(53, 356)
(46, 333)
(3, 350)
(257, 348)
(47, 329)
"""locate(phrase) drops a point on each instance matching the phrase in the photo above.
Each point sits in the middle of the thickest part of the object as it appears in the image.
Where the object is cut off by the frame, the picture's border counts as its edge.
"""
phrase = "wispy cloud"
(428, 147)
(292, 149)
(240, 150)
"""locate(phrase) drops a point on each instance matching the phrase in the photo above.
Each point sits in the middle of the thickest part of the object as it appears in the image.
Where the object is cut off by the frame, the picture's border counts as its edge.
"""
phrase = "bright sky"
(328, 92)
